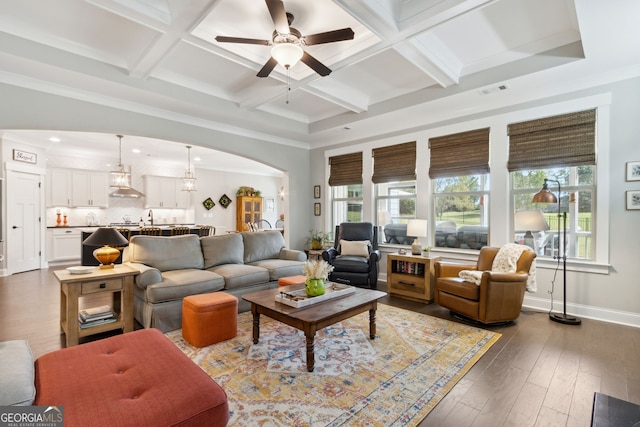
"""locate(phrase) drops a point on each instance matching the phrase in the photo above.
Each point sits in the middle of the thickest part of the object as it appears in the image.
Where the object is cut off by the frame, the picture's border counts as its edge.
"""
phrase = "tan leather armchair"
(498, 297)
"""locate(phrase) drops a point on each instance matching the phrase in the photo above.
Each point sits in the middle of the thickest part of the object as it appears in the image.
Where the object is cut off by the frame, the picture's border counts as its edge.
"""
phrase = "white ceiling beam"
(338, 93)
(180, 28)
(377, 15)
(419, 15)
(431, 56)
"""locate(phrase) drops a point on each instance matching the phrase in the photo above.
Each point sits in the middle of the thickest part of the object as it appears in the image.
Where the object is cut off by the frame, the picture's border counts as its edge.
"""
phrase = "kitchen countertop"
(131, 226)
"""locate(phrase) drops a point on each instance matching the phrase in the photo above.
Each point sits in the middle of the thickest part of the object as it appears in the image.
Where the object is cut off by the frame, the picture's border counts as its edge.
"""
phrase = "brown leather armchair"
(498, 297)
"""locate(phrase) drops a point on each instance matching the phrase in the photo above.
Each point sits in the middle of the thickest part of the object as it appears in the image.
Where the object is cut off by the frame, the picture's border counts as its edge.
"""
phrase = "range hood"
(121, 179)
(126, 192)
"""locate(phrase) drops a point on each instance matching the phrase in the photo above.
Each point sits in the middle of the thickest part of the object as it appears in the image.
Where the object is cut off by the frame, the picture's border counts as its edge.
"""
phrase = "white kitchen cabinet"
(58, 187)
(64, 244)
(90, 188)
(164, 192)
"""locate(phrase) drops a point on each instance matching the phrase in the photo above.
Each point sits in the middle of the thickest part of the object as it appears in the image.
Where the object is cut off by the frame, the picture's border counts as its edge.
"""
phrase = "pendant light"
(189, 178)
(121, 178)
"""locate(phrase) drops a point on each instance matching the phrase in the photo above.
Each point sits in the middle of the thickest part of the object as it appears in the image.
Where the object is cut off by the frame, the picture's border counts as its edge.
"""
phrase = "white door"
(23, 221)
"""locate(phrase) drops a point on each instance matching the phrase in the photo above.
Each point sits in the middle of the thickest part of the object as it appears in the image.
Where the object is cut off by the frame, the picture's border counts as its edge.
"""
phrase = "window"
(461, 211)
(562, 149)
(577, 199)
(396, 204)
(346, 202)
(460, 172)
(346, 188)
(394, 176)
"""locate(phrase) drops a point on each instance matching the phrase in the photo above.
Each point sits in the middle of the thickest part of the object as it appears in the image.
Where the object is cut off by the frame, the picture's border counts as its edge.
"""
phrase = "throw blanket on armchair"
(506, 261)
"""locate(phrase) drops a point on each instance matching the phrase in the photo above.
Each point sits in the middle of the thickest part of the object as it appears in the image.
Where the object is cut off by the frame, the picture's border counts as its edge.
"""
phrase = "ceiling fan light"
(287, 54)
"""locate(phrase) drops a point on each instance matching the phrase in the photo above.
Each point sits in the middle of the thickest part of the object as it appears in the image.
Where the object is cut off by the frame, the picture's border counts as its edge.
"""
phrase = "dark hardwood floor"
(539, 373)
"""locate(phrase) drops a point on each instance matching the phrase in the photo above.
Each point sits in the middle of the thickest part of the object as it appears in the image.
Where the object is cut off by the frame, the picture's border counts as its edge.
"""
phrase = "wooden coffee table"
(314, 317)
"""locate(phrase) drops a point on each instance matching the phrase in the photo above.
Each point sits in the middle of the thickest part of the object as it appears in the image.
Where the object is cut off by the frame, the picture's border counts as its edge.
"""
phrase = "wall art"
(633, 171)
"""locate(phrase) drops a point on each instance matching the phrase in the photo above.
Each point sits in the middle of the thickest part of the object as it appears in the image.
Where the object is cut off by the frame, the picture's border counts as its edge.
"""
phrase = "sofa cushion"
(459, 287)
(222, 249)
(280, 268)
(262, 245)
(241, 275)
(17, 385)
(353, 264)
(166, 253)
(177, 284)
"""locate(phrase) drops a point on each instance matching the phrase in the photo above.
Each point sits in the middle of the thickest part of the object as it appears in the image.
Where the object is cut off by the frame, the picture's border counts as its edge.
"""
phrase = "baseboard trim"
(585, 311)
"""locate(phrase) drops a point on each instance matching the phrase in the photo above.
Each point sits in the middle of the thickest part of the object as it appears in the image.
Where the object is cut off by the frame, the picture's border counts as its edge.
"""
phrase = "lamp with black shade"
(109, 240)
(546, 196)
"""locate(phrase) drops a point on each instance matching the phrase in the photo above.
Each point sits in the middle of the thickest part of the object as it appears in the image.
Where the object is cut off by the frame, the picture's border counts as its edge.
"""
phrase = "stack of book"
(96, 316)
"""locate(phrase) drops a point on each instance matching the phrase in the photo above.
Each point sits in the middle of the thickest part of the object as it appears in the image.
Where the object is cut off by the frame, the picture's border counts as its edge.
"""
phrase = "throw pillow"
(355, 247)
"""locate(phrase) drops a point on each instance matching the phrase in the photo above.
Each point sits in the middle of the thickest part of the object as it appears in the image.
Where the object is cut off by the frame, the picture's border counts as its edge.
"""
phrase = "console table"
(117, 281)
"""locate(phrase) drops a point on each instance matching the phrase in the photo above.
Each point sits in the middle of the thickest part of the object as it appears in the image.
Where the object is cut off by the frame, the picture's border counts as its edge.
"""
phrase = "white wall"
(36, 110)
(606, 289)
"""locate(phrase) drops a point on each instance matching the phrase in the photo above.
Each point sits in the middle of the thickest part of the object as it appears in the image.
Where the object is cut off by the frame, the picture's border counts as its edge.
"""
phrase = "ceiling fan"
(287, 42)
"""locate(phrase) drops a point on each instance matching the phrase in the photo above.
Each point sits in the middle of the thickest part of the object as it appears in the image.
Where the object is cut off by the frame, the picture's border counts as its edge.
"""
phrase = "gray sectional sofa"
(172, 268)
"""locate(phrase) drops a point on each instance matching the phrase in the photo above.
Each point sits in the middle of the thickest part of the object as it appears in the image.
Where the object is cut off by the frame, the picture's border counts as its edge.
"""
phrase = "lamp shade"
(287, 54)
(416, 228)
(544, 195)
(530, 221)
(108, 239)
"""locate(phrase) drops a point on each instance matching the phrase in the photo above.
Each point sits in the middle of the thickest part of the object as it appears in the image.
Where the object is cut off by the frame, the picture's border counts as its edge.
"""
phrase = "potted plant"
(316, 272)
(317, 239)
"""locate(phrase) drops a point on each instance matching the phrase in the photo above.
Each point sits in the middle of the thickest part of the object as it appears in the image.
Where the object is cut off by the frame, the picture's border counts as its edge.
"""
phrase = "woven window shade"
(345, 169)
(394, 163)
(460, 154)
(566, 140)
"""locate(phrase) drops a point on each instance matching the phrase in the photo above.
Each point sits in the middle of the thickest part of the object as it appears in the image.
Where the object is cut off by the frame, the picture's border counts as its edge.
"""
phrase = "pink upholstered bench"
(135, 379)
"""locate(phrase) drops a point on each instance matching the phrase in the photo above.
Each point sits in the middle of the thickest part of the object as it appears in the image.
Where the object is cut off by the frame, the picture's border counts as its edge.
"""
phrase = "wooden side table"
(411, 276)
(117, 281)
(315, 254)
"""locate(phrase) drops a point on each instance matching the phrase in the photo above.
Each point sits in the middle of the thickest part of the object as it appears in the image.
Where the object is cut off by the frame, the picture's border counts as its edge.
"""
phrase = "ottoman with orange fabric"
(291, 280)
(209, 318)
(135, 379)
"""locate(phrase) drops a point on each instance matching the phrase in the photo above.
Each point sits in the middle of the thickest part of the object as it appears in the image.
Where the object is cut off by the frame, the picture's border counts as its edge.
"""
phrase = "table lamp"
(109, 239)
(529, 221)
(417, 228)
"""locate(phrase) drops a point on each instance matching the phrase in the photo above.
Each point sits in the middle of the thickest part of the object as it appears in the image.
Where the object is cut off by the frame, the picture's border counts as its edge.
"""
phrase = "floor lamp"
(546, 196)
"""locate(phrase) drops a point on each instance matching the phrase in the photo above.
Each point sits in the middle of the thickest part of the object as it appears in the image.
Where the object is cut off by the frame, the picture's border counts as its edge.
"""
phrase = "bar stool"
(206, 230)
(150, 231)
(180, 230)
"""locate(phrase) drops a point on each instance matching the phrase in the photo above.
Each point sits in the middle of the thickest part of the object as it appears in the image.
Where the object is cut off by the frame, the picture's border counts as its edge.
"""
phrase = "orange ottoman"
(209, 318)
(291, 280)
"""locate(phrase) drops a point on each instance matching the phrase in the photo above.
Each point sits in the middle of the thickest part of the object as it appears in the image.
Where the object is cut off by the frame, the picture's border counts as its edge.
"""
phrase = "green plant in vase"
(317, 239)
(316, 271)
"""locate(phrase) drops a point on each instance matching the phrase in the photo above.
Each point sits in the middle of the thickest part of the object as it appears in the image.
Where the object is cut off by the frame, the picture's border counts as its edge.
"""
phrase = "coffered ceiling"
(408, 60)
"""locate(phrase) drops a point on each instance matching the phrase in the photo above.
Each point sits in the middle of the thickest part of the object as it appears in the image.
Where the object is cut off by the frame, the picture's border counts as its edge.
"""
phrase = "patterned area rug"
(394, 380)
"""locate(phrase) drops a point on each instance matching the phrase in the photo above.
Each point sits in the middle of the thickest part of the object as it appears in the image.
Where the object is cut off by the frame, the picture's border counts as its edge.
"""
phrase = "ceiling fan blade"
(224, 39)
(315, 65)
(278, 15)
(329, 37)
(267, 68)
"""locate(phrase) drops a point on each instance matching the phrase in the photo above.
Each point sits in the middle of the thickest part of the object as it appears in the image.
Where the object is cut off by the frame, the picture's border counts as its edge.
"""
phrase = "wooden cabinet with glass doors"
(249, 210)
